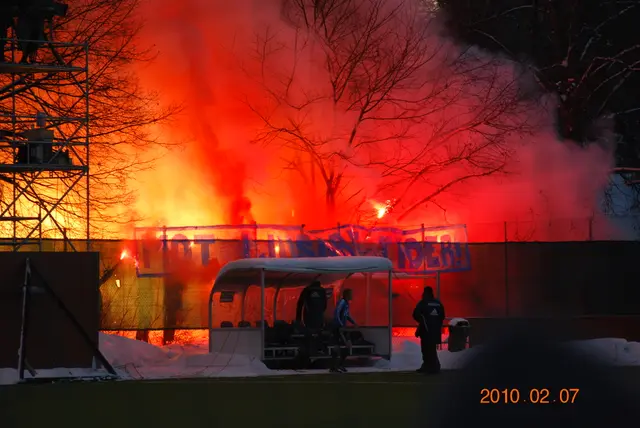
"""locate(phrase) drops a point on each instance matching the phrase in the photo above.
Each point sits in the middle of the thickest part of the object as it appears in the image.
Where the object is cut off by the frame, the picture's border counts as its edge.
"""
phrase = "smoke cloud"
(207, 60)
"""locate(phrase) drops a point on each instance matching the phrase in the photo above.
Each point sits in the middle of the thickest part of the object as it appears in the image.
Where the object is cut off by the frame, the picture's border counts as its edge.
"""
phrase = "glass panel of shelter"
(369, 306)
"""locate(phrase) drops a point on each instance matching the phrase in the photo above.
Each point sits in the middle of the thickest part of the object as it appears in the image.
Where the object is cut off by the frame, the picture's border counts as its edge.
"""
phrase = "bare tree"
(120, 115)
(582, 52)
(356, 85)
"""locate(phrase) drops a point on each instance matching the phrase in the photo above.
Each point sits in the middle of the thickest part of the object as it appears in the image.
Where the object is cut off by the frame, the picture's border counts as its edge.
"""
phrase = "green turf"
(368, 400)
(353, 400)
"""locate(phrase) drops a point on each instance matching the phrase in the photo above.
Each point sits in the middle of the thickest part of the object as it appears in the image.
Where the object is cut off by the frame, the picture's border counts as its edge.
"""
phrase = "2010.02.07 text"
(529, 396)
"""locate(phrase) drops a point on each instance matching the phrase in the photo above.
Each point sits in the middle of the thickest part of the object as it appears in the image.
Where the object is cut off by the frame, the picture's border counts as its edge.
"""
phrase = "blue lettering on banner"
(204, 241)
(341, 246)
(410, 255)
(430, 254)
(417, 251)
(181, 240)
(305, 246)
(246, 245)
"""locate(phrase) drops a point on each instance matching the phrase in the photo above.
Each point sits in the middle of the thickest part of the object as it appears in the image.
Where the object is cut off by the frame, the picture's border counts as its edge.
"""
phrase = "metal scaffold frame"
(44, 142)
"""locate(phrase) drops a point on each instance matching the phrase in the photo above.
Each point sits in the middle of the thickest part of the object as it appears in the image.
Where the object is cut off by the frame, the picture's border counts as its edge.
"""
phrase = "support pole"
(40, 228)
(424, 260)
(275, 303)
(294, 248)
(255, 239)
(506, 271)
(168, 334)
(367, 299)
(243, 310)
(210, 312)
(26, 297)
(262, 303)
(390, 324)
(88, 149)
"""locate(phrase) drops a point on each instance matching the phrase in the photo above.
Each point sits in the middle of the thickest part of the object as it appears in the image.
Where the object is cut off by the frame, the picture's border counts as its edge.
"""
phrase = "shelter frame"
(253, 340)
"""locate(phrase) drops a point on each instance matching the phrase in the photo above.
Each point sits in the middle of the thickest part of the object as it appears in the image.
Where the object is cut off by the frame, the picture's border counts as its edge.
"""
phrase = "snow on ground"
(134, 359)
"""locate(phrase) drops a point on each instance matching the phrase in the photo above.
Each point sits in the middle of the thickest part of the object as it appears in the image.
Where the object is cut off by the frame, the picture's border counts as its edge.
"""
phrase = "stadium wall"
(516, 280)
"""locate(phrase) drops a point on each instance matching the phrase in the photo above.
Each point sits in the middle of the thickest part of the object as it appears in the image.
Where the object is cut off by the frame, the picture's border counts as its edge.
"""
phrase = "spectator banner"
(423, 250)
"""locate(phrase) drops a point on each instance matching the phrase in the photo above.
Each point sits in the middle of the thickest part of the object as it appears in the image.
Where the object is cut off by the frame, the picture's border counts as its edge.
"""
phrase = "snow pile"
(10, 376)
(134, 359)
(455, 321)
(407, 356)
(140, 360)
(120, 351)
(617, 352)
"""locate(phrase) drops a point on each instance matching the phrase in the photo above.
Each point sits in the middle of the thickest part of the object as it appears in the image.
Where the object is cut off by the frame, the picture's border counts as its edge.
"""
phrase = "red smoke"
(205, 61)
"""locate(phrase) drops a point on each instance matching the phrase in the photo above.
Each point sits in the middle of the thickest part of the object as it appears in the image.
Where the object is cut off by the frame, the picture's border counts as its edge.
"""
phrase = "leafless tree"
(120, 115)
(356, 85)
(581, 52)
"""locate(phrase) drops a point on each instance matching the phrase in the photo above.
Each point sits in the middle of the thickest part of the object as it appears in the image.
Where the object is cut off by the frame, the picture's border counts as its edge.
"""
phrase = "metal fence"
(516, 279)
(512, 279)
(599, 228)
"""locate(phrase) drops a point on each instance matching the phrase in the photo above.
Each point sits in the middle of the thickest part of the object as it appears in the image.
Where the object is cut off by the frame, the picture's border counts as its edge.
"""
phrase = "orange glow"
(207, 62)
(382, 209)
(404, 331)
(181, 337)
(201, 337)
(277, 250)
(218, 175)
(125, 254)
(73, 226)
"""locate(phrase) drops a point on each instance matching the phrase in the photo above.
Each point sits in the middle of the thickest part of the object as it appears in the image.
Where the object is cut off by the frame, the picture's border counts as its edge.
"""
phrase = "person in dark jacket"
(340, 318)
(310, 310)
(429, 314)
(311, 306)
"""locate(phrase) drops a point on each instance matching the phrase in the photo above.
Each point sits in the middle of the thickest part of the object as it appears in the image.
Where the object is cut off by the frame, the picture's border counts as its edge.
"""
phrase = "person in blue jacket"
(340, 318)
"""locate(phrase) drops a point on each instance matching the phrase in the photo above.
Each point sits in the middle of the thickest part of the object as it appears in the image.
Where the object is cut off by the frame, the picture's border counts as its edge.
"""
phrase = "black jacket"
(429, 314)
(311, 306)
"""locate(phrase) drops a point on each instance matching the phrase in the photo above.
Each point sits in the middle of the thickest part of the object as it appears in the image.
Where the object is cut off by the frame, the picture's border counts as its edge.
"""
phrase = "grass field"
(352, 400)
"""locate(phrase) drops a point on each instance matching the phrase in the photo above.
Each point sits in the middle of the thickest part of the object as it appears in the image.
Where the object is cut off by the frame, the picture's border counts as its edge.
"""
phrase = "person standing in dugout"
(340, 318)
(310, 312)
(311, 306)
(429, 314)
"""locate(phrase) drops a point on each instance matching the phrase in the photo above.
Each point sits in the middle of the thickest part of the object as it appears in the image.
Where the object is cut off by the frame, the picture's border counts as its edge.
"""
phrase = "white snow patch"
(456, 321)
(120, 351)
(134, 359)
(407, 356)
(616, 352)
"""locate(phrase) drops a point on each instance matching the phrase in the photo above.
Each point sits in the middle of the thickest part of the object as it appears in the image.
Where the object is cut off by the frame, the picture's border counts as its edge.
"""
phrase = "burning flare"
(383, 209)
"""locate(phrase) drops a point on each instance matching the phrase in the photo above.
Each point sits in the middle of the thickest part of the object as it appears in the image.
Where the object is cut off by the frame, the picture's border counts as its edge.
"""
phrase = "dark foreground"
(351, 400)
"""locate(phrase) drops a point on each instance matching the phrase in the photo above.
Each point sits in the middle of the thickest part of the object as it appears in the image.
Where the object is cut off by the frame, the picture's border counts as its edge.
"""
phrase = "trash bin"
(458, 334)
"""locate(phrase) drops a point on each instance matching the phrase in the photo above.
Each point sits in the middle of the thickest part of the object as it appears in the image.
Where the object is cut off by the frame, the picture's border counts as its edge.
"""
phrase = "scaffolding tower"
(44, 142)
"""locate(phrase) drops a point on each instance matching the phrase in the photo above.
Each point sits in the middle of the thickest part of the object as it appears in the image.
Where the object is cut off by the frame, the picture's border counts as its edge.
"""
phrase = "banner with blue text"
(423, 250)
